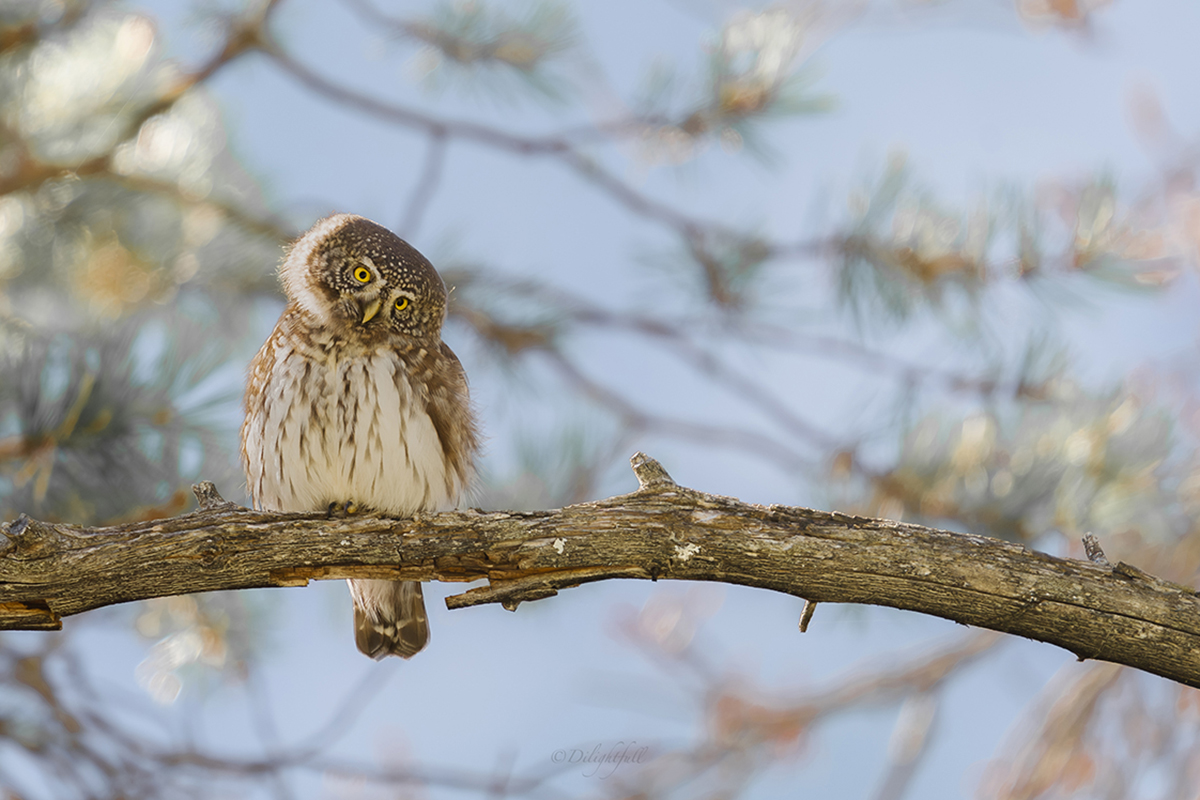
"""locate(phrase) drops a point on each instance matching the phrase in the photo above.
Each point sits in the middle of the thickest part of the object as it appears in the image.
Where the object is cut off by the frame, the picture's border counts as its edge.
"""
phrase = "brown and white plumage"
(354, 400)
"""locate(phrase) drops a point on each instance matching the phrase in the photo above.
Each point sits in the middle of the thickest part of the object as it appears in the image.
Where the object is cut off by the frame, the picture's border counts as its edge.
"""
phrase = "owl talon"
(341, 510)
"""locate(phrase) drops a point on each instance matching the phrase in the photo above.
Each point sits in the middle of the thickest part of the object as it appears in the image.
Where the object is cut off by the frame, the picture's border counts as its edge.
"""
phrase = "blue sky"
(974, 99)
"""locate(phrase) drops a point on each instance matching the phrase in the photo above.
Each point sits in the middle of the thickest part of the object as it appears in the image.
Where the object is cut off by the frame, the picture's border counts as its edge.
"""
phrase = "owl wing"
(453, 418)
(253, 431)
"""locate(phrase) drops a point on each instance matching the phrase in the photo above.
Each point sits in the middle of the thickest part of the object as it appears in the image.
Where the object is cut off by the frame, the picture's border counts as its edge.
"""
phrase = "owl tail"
(389, 618)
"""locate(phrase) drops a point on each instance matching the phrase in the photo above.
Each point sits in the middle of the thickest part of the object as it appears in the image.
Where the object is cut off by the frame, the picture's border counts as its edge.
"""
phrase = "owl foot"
(342, 510)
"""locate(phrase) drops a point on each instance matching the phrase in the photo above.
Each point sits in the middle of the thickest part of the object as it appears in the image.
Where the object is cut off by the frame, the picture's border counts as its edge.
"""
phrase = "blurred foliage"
(1067, 462)
(102, 424)
(485, 49)
(904, 253)
(126, 273)
(133, 251)
(752, 78)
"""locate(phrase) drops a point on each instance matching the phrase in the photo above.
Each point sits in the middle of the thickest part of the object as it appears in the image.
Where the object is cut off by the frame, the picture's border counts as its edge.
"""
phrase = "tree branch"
(661, 531)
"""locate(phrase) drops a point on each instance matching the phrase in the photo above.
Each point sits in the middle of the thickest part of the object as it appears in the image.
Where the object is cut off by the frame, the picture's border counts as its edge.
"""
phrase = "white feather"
(365, 438)
(294, 271)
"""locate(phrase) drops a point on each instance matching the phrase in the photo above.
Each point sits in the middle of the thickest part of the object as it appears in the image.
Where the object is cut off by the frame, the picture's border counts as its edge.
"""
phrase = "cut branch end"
(208, 498)
(650, 473)
(1091, 546)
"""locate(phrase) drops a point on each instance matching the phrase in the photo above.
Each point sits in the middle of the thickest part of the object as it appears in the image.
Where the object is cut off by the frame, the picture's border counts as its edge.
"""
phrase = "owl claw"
(339, 510)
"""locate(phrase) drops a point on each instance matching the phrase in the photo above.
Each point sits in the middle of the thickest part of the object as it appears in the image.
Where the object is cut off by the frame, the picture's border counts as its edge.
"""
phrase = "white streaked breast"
(358, 439)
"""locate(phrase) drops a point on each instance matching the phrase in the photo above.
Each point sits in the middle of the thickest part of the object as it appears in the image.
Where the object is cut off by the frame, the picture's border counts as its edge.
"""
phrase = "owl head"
(363, 280)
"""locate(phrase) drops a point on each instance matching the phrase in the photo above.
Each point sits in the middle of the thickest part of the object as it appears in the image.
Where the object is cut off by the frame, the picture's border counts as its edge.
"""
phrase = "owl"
(355, 403)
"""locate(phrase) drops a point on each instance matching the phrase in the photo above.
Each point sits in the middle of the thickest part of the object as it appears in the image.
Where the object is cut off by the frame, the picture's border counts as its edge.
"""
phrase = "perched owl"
(354, 402)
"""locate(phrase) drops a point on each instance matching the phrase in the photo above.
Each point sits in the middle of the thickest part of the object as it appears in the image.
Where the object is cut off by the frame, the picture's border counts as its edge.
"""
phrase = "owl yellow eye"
(362, 274)
(401, 303)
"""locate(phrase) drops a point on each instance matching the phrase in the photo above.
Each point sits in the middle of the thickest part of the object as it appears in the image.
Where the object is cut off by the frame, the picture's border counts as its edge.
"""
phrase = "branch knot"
(33, 538)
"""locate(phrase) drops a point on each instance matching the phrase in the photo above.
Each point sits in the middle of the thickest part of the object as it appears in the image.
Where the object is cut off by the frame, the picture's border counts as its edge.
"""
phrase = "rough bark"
(660, 532)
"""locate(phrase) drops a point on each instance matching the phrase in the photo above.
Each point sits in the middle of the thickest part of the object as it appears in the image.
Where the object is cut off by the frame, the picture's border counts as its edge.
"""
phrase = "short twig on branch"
(662, 531)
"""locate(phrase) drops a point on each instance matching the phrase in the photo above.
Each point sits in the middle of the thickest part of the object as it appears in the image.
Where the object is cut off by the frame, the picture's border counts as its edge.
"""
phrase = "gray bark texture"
(662, 531)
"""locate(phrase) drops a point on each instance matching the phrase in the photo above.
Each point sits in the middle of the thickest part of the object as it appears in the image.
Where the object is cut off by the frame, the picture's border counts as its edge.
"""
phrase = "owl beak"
(371, 309)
